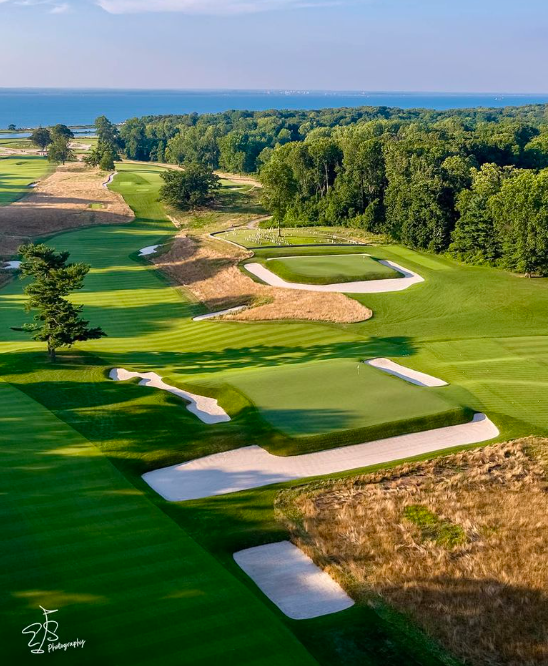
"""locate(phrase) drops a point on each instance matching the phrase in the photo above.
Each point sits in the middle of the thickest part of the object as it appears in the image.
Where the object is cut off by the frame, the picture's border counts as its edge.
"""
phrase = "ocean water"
(33, 107)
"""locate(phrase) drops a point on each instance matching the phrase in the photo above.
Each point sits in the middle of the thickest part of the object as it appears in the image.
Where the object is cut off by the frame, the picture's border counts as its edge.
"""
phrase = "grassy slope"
(80, 538)
(17, 173)
(330, 269)
(439, 326)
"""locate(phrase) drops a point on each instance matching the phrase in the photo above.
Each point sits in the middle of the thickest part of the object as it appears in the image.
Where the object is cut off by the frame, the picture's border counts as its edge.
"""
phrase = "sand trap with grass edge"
(292, 581)
(109, 180)
(149, 249)
(253, 467)
(206, 409)
(410, 375)
(220, 313)
(11, 265)
(360, 287)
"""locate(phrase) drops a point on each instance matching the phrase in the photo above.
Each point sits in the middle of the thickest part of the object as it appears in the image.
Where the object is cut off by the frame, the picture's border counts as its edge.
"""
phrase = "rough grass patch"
(433, 528)
(456, 544)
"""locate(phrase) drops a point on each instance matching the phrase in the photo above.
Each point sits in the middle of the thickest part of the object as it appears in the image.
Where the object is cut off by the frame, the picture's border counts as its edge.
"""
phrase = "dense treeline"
(471, 182)
(480, 193)
(243, 140)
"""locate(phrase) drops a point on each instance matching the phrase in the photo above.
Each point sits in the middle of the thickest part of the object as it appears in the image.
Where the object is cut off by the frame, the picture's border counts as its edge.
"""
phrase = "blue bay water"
(34, 107)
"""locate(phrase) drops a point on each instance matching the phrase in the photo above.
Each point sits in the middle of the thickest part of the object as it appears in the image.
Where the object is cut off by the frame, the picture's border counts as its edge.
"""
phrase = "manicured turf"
(330, 269)
(79, 538)
(17, 173)
(482, 330)
(333, 396)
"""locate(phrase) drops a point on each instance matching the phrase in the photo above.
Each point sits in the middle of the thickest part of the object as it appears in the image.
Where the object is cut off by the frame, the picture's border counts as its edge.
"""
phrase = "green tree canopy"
(475, 239)
(61, 130)
(59, 150)
(58, 321)
(41, 137)
(107, 160)
(520, 212)
(190, 187)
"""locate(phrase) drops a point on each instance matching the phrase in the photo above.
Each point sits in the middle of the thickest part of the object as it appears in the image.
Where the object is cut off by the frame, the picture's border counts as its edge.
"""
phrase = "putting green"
(330, 269)
(17, 173)
(334, 396)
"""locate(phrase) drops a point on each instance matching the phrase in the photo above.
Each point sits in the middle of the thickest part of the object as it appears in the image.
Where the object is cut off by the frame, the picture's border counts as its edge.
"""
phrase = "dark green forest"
(469, 182)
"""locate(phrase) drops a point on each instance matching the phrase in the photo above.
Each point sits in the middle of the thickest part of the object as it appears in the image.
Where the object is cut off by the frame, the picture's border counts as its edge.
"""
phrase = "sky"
(373, 45)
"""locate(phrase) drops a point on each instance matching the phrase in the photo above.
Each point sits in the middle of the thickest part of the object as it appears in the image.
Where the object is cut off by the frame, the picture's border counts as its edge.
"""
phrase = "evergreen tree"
(475, 239)
(58, 321)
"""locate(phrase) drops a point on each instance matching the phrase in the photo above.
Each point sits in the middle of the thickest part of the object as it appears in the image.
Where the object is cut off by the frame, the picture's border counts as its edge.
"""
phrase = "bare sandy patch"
(206, 409)
(290, 579)
(209, 270)
(403, 372)
(458, 544)
(253, 467)
(61, 201)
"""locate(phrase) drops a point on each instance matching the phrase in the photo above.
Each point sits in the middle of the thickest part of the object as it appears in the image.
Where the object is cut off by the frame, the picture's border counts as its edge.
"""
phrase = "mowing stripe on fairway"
(77, 537)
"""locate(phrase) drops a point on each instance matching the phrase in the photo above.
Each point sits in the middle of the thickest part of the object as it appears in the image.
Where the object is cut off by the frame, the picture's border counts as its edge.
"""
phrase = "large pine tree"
(58, 321)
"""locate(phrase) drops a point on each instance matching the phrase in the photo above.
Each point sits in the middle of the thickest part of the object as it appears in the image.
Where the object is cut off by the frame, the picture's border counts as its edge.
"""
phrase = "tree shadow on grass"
(484, 620)
(261, 355)
(142, 428)
(207, 362)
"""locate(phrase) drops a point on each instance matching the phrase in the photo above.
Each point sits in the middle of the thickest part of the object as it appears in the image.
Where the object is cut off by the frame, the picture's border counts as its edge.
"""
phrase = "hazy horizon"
(333, 45)
(287, 89)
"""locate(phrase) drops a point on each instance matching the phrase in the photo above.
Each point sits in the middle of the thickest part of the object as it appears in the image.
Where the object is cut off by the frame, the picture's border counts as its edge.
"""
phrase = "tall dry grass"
(483, 595)
(209, 269)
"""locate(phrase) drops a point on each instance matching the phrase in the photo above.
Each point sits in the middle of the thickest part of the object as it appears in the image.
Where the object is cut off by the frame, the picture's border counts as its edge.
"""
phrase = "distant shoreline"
(32, 107)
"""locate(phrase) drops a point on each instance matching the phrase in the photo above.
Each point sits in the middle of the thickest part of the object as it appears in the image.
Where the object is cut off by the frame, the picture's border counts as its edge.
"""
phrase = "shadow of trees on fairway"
(260, 355)
(141, 429)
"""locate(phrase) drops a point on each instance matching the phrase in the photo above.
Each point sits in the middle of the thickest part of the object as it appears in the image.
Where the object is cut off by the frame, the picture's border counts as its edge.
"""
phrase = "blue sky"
(412, 45)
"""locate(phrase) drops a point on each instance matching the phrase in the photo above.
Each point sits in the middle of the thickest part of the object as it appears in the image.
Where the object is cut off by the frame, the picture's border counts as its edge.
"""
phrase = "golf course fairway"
(84, 533)
(17, 172)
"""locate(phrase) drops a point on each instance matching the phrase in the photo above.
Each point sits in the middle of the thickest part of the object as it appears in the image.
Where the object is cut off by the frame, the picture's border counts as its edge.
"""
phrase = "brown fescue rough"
(484, 598)
(61, 201)
(209, 270)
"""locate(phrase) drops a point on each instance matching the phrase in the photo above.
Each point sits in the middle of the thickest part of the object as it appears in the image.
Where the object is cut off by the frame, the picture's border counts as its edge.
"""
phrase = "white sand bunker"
(410, 375)
(292, 581)
(206, 409)
(253, 467)
(109, 180)
(220, 313)
(149, 249)
(11, 265)
(360, 287)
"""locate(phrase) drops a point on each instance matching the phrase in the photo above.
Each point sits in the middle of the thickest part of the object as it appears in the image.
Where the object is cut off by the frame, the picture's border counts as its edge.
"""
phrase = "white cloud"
(217, 7)
(53, 6)
(60, 8)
